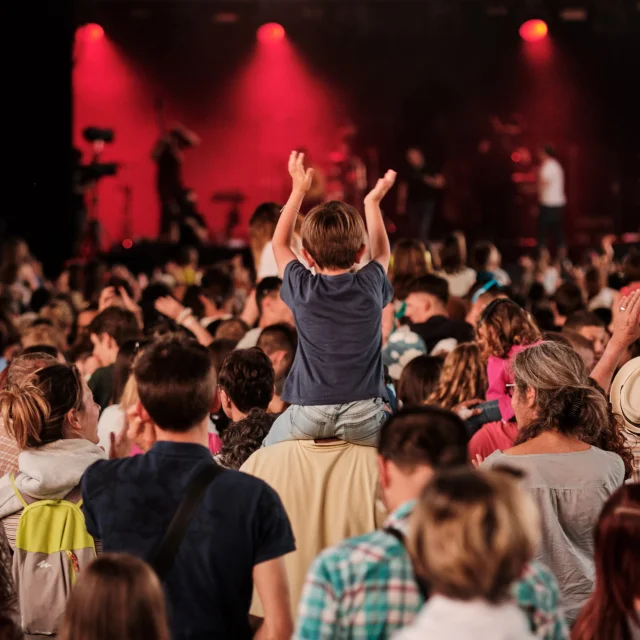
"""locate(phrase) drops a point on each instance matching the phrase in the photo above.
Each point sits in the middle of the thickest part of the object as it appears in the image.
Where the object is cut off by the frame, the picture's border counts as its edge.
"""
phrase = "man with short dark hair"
(366, 587)
(239, 531)
(279, 342)
(109, 330)
(589, 325)
(272, 310)
(426, 309)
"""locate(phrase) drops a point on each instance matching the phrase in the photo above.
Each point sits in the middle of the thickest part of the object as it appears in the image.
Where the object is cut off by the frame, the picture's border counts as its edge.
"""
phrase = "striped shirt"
(365, 588)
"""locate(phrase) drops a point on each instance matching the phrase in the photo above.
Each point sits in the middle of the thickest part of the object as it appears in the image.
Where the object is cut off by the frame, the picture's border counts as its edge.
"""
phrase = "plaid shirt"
(365, 588)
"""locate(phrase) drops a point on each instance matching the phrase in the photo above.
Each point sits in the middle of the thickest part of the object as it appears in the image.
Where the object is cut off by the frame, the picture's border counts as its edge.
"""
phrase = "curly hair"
(503, 325)
(240, 439)
(567, 400)
(463, 377)
(248, 378)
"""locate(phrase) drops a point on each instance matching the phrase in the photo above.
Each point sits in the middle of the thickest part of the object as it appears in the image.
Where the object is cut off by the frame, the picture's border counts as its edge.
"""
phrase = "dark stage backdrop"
(36, 127)
(398, 70)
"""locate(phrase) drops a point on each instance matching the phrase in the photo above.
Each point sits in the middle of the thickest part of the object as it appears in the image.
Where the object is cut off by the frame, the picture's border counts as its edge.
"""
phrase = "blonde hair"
(472, 533)
(34, 409)
(463, 377)
(129, 394)
(61, 314)
(43, 334)
(333, 233)
(118, 597)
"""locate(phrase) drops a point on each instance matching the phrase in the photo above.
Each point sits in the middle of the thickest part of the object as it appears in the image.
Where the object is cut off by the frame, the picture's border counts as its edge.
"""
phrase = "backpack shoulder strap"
(15, 489)
(74, 496)
(165, 554)
(423, 585)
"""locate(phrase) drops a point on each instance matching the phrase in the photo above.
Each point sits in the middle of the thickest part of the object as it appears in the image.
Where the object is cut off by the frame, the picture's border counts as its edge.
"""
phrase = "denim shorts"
(356, 422)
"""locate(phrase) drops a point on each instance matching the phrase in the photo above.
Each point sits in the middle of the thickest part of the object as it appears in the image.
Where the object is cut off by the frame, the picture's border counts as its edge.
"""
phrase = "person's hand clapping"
(120, 444)
(626, 326)
(383, 186)
(301, 178)
(140, 432)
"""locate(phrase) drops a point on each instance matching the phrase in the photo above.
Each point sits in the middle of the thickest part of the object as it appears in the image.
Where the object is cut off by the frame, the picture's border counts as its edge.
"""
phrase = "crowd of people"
(339, 441)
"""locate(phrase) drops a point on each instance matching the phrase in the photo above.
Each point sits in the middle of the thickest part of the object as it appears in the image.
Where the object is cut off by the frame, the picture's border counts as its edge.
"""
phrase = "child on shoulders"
(336, 386)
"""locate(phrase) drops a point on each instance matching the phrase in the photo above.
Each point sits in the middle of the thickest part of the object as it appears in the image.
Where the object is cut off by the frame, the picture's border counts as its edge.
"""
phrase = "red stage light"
(94, 31)
(534, 30)
(127, 243)
(270, 33)
(515, 156)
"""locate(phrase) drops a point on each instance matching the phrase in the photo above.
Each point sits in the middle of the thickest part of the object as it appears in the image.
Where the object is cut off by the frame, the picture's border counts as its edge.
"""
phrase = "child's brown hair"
(502, 325)
(333, 233)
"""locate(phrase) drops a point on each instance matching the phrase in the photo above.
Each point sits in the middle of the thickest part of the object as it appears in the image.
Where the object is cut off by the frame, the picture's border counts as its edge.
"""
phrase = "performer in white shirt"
(551, 198)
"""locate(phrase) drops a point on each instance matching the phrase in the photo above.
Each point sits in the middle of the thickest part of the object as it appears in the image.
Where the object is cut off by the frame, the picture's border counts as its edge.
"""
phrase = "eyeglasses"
(511, 389)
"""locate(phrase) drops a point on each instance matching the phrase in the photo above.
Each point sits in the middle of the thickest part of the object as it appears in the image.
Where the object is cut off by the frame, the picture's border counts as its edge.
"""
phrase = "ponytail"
(580, 411)
(34, 410)
(567, 400)
(25, 412)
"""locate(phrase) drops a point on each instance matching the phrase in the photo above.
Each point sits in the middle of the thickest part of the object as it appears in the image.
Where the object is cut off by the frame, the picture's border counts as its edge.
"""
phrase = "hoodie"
(48, 472)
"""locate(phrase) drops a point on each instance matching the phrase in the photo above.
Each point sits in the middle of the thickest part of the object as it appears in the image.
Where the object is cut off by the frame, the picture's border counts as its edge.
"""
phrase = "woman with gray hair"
(573, 455)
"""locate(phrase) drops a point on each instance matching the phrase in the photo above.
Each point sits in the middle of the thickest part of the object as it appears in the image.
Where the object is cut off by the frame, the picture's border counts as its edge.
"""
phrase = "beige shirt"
(329, 492)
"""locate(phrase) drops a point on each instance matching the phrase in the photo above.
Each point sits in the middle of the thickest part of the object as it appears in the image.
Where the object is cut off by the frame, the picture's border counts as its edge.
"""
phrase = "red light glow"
(515, 156)
(270, 33)
(127, 243)
(94, 31)
(534, 30)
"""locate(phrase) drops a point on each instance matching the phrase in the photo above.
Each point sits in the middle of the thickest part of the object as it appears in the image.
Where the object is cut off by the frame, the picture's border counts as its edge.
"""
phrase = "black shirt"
(241, 522)
(101, 385)
(440, 328)
(417, 189)
(169, 178)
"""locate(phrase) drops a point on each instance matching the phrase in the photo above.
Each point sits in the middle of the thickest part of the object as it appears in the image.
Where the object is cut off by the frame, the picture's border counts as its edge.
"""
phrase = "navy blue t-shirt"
(339, 323)
(241, 522)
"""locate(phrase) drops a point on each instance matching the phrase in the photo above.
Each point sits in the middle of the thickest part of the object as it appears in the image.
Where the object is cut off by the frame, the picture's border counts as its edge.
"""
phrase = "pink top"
(499, 376)
(493, 436)
(215, 444)
(629, 289)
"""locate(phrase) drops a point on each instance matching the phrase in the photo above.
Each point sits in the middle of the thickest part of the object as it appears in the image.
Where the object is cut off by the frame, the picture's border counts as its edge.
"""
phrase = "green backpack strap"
(13, 484)
(70, 496)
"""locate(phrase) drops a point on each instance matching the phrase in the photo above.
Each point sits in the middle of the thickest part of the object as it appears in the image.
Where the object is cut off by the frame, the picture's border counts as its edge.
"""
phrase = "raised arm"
(182, 315)
(283, 235)
(378, 238)
(626, 331)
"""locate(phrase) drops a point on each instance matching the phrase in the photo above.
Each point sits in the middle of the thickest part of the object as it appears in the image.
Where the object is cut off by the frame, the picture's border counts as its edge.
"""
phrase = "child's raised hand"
(382, 187)
(301, 179)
